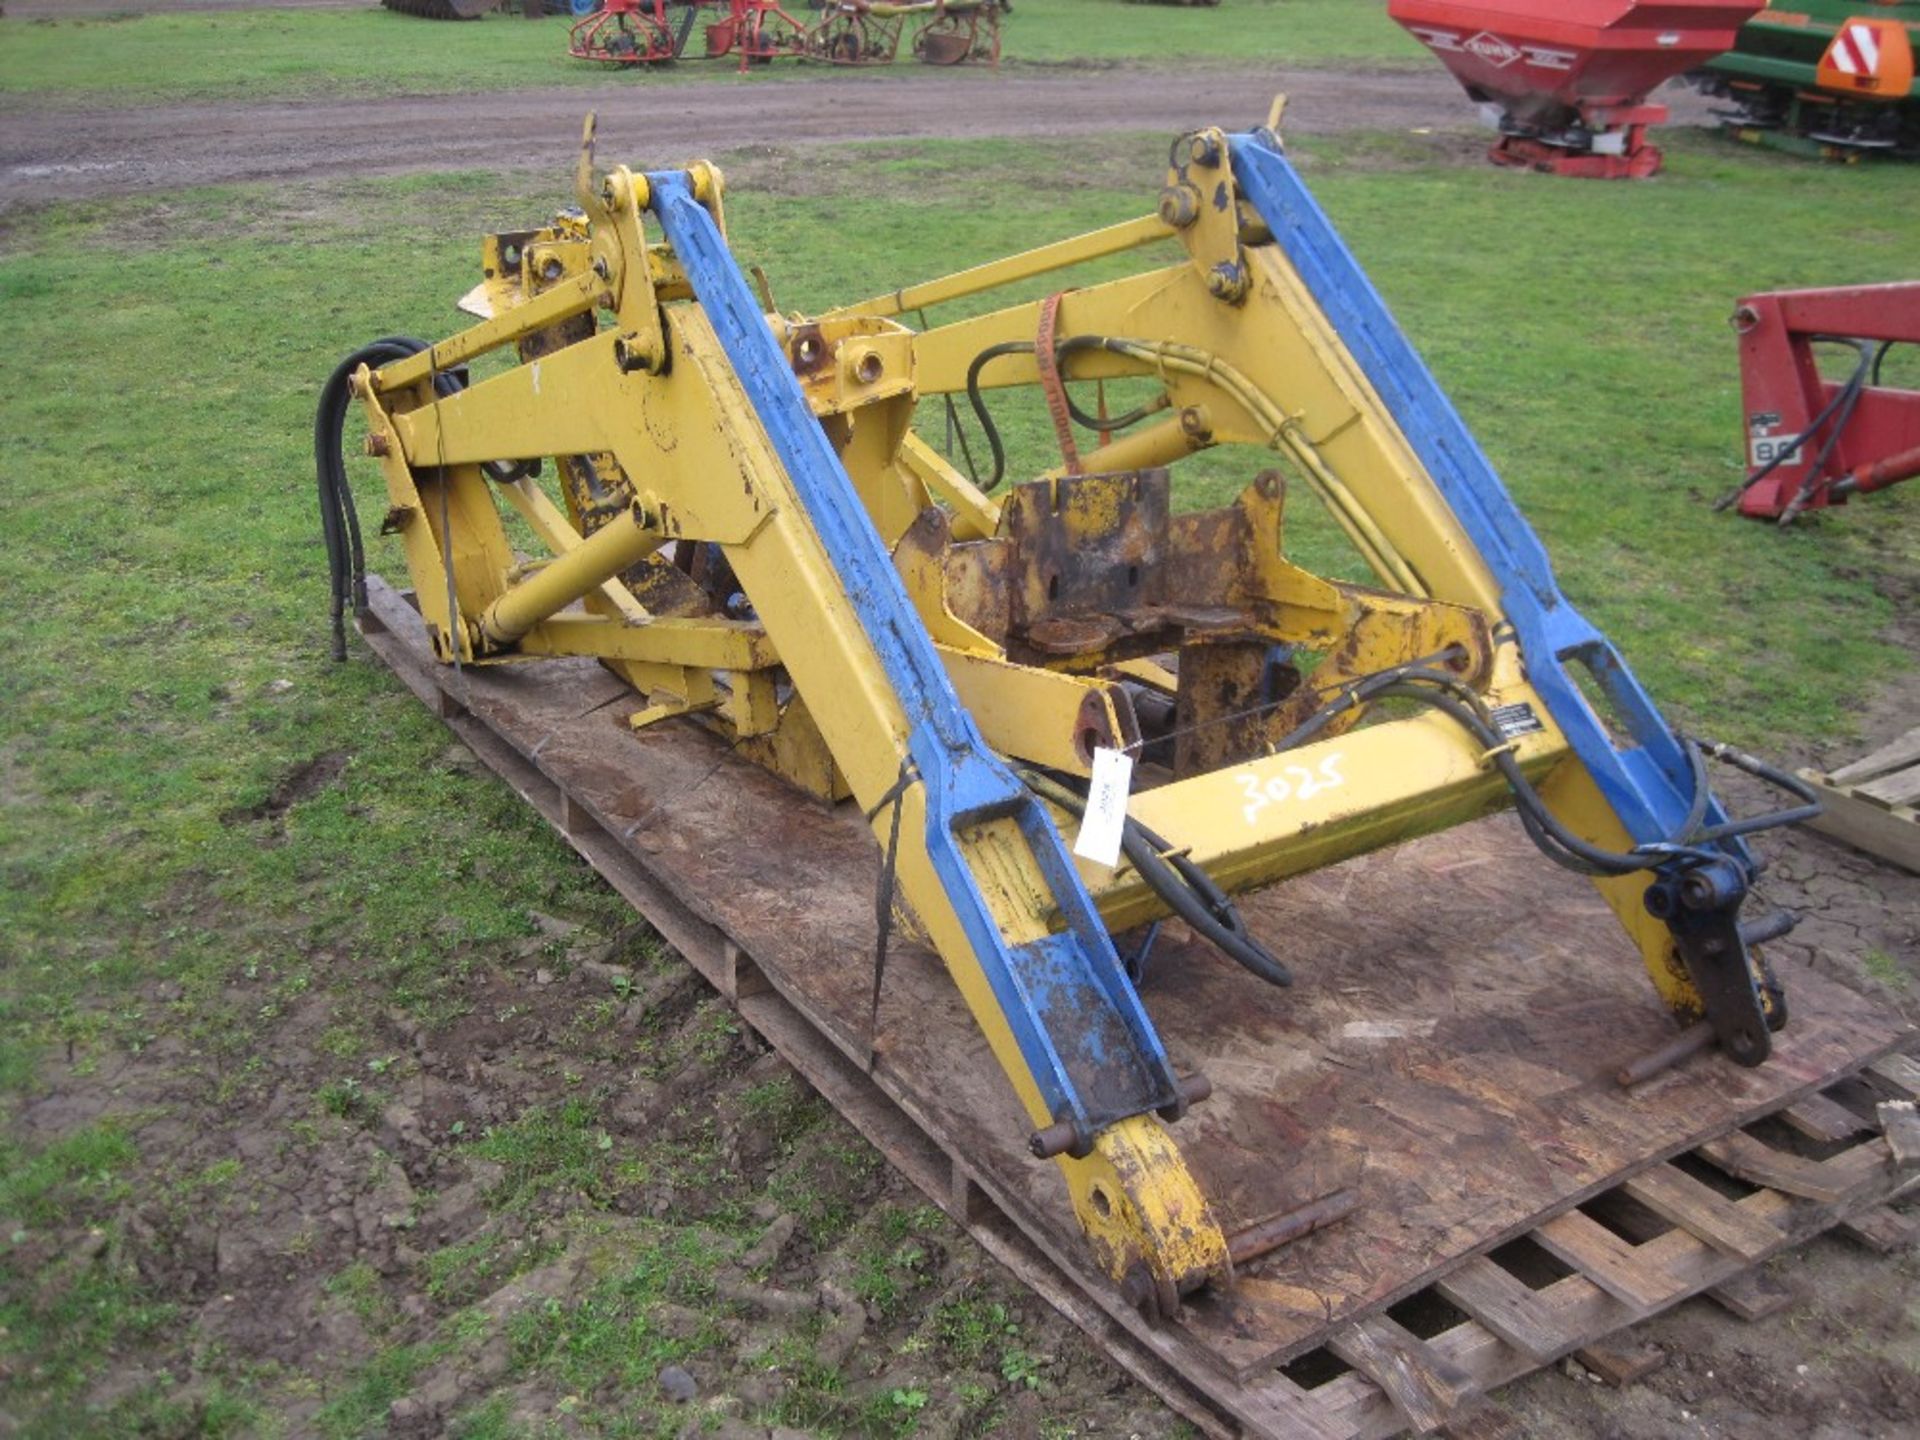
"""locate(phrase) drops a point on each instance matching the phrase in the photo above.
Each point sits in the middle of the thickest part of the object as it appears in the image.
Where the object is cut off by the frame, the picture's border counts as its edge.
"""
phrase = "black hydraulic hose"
(339, 519)
(992, 352)
(1098, 422)
(1080, 417)
(1190, 893)
(1182, 885)
(1810, 807)
(1471, 715)
(1880, 357)
(1686, 845)
(1847, 395)
(1563, 843)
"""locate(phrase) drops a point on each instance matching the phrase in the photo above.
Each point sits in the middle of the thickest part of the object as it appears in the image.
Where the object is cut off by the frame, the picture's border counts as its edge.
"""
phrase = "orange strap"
(1055, 389)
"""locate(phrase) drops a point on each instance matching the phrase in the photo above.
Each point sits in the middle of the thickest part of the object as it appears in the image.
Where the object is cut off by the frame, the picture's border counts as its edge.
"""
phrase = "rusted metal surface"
(1684, 1046)
(1087, 545)
(1230, 691)
(1259, 1240)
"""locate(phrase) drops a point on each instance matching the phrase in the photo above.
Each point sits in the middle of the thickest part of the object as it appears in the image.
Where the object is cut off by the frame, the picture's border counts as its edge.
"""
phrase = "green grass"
(368, 51)
(166, 662)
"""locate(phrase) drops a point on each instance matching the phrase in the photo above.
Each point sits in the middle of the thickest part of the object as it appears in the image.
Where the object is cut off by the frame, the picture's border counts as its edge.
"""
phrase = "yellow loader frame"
(750, 530)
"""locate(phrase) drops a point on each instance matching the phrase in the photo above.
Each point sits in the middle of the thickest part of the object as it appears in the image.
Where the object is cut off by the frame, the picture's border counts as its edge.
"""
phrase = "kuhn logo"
(1492, 49)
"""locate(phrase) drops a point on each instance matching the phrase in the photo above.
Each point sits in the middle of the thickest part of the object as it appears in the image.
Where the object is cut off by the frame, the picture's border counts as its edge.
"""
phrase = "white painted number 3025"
(1296, 782)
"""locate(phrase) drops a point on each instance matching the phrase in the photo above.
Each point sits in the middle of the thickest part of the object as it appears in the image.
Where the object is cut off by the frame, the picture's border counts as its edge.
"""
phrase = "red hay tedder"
(1567, 81)
(850, 32)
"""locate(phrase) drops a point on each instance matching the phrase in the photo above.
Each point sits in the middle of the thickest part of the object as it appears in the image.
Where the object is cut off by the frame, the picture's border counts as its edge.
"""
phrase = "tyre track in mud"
(64, 153)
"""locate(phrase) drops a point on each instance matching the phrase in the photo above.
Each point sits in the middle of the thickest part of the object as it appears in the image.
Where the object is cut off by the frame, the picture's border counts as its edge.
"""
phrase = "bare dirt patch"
(61, 153)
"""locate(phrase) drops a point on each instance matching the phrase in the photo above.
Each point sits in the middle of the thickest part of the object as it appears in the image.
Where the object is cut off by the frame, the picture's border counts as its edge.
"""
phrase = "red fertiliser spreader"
(1566, 81)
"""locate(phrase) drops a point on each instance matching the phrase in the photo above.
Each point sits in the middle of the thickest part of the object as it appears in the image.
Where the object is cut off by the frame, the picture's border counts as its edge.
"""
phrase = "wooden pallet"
(1875, 803)
(1449, 1054)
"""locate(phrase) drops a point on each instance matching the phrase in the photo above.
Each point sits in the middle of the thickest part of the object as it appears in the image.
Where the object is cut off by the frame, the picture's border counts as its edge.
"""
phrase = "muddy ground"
(445, 1258)
(65, 154)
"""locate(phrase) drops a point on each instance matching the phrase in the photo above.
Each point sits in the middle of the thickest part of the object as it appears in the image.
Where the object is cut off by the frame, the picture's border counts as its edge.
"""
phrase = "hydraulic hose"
(994, 447)
(1847, 396)
(339, 520)
(1183, 886)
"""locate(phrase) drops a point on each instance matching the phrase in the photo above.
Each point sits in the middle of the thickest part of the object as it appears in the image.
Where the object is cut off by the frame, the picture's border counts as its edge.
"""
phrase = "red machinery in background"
(1812, 441)
(1567, 80)
(648, 32)
(850, 32)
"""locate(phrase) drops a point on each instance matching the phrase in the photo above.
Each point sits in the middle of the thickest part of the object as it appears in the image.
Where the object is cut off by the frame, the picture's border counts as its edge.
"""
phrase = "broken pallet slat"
(1881, 1230)
(1752, 1295)
(1427, 1388)
(1900, 1123)
(1681, 1200)
(1610, 1262)
(1758, 1163)
(1819, 1118)
(1500, 1301)
(1900, 1071)
(1277, 1406)
(1897, 755)
(1619, 1360)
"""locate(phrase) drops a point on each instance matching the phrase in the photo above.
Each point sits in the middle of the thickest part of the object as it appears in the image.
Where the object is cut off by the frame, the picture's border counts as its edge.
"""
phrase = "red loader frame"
(1813, 442)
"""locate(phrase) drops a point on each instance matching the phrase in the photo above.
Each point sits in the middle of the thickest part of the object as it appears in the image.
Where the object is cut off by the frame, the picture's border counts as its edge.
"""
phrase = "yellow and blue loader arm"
(749, 528)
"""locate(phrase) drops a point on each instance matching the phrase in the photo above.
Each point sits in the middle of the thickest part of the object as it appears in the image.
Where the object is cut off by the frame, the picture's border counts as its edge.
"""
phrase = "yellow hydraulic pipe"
(1148, 447)
(595, 560)
(1127, 235)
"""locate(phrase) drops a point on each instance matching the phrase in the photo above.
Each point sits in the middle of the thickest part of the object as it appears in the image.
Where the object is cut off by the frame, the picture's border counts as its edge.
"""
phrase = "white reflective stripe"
(1867, 45)
(1841, 54)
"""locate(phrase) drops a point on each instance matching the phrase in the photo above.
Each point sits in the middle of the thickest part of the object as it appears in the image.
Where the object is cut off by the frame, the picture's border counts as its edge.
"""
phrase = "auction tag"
(1106, 817)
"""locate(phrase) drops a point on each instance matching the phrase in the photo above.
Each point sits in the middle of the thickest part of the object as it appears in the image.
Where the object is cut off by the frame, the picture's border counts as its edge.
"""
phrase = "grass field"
(283, 54)
(166, 672)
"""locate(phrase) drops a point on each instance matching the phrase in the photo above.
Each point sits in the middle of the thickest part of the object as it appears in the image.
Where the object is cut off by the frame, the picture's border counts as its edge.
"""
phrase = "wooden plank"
(1900, 1071)
(1500, 1301)
(1752, 1295)
(1584, 1310)
(1819, 1118)
(1893, 791)
(1277, 1407)
(1677, 1197)
(1745, 1158)
(1621, 1360)
(1900, 1123)
(1893, 756)
(1610, 1262)
(1426, 1388)
(1891, 834)
(1882, 1230)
